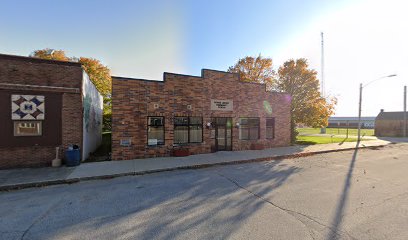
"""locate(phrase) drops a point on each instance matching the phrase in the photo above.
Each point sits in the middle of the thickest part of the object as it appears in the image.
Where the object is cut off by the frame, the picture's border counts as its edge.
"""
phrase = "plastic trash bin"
(72, 156)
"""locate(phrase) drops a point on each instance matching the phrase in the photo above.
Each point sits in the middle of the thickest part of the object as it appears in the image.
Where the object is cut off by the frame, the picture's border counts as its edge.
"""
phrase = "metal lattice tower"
(322, 71)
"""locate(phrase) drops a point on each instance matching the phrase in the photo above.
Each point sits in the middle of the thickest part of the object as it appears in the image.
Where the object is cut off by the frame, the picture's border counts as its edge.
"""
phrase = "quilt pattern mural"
(27, 107)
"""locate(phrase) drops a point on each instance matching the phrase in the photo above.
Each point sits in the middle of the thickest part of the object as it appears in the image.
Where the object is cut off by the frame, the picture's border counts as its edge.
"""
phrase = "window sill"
(155, 146)
(186, 144)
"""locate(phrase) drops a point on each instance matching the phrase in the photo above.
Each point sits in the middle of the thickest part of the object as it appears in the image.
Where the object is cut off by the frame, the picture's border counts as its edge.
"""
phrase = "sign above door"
(222, 105)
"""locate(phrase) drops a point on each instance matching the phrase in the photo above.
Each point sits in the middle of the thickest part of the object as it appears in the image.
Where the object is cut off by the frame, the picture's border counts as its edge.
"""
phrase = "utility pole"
(405, 113)
(359, 112)
(360, 100)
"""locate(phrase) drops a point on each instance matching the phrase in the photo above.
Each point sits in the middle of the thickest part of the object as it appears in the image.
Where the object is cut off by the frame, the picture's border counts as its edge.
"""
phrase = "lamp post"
(360, 100)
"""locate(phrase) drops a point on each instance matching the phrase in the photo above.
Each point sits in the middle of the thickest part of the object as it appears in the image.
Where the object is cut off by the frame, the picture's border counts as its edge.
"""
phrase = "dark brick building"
(390, 124)
(213, 112)
(42, 103)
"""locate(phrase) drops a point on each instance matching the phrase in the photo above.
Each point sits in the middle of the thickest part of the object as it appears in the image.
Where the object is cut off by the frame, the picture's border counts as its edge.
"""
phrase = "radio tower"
(322, 65)
(323, 129)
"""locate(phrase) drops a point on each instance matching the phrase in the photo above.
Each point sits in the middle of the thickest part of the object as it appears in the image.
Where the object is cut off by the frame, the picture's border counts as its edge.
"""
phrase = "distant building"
(351, 122)
(389, 124)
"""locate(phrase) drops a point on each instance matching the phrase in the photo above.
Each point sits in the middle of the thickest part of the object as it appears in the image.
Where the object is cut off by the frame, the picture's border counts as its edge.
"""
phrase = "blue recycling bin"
(72, 157)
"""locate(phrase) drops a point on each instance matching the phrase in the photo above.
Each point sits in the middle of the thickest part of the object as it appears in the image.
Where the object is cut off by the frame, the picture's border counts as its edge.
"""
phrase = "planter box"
(257, 146)
(181, 152)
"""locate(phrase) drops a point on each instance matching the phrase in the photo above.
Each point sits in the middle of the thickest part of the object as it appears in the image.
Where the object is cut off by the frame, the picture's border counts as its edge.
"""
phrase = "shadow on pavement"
(338, 216)
(158, 206)
(394, 139)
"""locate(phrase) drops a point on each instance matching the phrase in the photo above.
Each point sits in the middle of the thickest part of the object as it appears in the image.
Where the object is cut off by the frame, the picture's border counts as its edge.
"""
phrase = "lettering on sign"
(222, 105)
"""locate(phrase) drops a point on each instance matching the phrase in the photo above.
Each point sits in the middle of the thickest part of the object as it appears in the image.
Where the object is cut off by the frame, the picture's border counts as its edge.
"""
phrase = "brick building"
(390, 124)
(45, 104)
(213, 112)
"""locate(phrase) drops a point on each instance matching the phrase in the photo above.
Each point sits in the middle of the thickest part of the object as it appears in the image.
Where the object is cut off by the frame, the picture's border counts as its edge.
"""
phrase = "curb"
(199, 166)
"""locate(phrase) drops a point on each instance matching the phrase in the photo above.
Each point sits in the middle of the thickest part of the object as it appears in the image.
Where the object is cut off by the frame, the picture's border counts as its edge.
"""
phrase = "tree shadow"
(344, 140)
(160, 206)
(338, 216)
(305, 142)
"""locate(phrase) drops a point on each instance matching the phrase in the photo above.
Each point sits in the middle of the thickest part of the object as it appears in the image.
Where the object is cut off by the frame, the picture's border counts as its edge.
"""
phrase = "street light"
(359, 104)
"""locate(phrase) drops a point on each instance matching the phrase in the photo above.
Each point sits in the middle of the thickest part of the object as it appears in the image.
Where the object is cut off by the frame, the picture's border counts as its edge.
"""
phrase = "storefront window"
(196, 129)
(249, 128)
(188, 130)
(155, 131)
(270, 128)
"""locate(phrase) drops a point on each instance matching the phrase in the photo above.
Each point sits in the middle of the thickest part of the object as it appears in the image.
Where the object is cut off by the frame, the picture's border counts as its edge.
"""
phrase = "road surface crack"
(288, 211)
(356, 210)
(42, 217)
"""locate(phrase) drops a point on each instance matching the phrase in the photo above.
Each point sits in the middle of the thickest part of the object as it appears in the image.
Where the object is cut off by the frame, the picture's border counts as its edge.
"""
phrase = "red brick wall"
(21, 73)
(23, 70)
(389, 128)
(133, 101)
(71, 119)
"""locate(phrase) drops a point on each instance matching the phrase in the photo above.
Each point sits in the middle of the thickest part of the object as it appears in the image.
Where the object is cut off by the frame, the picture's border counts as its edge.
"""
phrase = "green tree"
(308, 105)
(98, 73)
(255, 69)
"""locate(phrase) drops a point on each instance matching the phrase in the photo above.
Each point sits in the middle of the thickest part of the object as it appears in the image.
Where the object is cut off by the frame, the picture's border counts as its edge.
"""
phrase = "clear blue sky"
(142, 39)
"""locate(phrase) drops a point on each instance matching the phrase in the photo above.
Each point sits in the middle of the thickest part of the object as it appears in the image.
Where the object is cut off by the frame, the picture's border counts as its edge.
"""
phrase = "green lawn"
(336, 131)
(311, 140)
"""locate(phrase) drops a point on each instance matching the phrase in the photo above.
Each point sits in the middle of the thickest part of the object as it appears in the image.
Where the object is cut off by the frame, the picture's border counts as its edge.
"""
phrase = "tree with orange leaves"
(98, 73)
(308, 105)
(255, 69)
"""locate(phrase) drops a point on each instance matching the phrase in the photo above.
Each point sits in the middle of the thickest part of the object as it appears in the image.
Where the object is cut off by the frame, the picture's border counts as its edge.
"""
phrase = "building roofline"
(38, 60)
(392, 112)
(351, 117)
(200, 77)
(178, 74)
(183, 75)
(137, 79)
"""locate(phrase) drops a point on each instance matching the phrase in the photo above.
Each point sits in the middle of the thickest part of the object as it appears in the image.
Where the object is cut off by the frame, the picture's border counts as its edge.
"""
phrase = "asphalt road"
(344, 195)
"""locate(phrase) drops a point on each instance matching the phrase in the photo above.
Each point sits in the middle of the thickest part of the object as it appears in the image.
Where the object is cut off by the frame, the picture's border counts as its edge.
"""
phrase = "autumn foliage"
(308, 107)
(98, 73)
(50, 54)
(255, 69)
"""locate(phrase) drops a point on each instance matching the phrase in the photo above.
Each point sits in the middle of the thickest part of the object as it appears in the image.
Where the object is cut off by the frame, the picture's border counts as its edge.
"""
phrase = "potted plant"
(257, 146)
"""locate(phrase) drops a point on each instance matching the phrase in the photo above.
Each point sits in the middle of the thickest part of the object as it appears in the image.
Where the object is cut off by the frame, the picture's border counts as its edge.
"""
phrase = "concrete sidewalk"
(23, 178)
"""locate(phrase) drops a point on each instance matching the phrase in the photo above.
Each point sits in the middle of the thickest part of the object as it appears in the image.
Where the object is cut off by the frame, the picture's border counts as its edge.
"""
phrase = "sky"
(364, 40)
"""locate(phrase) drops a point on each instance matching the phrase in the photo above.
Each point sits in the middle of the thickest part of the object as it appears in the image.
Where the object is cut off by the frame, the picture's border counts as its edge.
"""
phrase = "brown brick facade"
(133, 100)
(22, 75)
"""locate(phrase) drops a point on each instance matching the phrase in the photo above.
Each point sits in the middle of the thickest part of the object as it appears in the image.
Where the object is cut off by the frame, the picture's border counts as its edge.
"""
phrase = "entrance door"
(223, 134)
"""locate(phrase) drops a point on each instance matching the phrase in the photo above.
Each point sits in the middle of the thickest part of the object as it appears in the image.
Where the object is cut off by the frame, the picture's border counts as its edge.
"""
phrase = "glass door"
(223, 134)
(220, 139)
